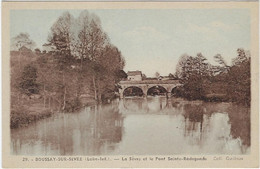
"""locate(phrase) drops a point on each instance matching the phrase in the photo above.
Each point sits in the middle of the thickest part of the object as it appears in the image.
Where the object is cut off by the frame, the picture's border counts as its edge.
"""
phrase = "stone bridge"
(145, 85)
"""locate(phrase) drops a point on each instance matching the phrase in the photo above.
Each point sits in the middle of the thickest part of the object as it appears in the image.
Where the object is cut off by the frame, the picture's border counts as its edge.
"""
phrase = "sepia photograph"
(131, 82)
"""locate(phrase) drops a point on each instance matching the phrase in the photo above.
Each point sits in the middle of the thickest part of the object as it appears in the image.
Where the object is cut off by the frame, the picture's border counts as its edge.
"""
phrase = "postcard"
(130, 84)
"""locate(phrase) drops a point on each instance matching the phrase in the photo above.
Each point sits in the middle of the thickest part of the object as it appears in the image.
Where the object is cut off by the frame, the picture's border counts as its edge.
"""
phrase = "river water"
(139, 126)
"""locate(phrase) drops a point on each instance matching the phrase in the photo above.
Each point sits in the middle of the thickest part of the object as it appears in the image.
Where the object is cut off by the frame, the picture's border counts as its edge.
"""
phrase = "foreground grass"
(32, 110)
(28, 112)
(23, 118)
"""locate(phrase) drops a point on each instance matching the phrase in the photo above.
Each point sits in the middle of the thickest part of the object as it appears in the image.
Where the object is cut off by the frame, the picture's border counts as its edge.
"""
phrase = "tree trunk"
(64, 95)
(49, 102)
(95, 88)
(64, 99)
(18, 99)
(99, 92)
(44, 97)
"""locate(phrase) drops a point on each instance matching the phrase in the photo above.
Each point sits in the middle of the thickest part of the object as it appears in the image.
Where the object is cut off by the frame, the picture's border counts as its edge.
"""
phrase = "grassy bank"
(32, 110)
(23, 117)
(27, 111)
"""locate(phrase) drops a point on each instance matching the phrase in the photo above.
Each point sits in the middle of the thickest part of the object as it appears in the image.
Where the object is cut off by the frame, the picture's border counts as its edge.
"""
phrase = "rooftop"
(132, 73)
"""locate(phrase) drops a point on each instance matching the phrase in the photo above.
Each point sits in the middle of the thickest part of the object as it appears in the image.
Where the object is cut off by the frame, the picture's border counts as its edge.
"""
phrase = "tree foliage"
(22, 40)
(157, 74)
(28, 84)
(84, 49)
(83, 64)
(201, 80)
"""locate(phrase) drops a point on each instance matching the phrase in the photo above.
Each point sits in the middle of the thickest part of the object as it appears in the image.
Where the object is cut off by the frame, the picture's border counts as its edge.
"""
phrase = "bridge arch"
(133, 91)
(156, 90)
(174, 91)
(145, 85)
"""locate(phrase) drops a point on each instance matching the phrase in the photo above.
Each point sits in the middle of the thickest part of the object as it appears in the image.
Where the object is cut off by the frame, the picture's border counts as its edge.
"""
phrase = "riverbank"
(33, 110)
(22, 118)
(215, 92)
(212, 98)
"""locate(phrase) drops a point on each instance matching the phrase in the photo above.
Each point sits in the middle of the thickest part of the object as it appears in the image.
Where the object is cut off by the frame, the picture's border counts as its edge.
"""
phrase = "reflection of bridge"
(145, 85)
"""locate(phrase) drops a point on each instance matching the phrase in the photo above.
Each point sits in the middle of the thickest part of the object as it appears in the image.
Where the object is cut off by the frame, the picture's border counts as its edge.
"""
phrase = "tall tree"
(192, 71)
(184, 66)
(62, 37)
(239, 78)
(243, 56)
(82, 44)
(22, 40)
(28, 84)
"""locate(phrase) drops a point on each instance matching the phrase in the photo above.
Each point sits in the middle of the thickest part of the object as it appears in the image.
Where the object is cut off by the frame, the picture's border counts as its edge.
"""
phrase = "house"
(24, 49)
(48, 48)
(134, 75)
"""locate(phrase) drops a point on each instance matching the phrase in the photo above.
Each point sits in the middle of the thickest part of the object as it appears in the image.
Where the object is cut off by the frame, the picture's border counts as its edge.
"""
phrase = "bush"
(72, 105)
(28, 83)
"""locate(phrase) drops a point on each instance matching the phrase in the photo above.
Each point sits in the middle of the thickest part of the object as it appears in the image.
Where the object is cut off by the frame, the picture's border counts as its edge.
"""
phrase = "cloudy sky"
(153, 40)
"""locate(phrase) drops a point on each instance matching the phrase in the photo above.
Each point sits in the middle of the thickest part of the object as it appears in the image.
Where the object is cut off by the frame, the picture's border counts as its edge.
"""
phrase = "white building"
(48, 48)
(134, 75)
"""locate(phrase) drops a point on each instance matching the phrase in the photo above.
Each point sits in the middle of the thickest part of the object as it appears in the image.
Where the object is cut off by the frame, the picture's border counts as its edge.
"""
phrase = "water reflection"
(139, 126)
(240, 125)
(90, 132)
(145, 105)
(193, 117)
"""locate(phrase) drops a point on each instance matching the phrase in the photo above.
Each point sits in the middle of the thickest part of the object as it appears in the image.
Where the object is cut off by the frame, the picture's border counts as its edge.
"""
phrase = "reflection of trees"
(197, 120)
(239, 118)
(109, 125)
(105, 129)
(193, 117)
(93, 132)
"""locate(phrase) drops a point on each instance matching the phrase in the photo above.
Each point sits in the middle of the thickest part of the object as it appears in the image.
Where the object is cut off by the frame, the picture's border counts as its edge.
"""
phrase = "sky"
(152, 40)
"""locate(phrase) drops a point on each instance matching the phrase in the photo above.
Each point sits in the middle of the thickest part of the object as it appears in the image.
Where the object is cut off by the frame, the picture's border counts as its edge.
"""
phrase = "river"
(139, 126)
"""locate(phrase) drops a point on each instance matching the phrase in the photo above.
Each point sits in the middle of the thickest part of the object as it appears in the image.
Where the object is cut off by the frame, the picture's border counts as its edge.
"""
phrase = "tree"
(144, 76)
(223, 65)
(82, 38)
(171, 76)
(157, 74)
(83, 49)
(192, 71)
(62, 35)
(28, 83)
(242, 56)
(239, 81)
(200, 82)
(180, 67)
(23, 39)
(37, 51)
(218, 58)
(92, 45)
(121, 74)
(200, 65)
